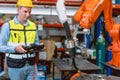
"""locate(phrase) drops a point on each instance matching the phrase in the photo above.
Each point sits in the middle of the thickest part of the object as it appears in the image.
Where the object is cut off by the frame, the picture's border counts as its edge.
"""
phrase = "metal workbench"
(65, 65)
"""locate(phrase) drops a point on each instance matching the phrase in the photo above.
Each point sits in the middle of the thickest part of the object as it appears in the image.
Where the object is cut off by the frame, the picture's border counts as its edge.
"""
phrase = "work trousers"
(28, 72)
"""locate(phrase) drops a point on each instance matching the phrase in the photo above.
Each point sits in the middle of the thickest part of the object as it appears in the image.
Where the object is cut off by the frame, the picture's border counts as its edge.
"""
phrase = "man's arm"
(4, 36)
(37, 41)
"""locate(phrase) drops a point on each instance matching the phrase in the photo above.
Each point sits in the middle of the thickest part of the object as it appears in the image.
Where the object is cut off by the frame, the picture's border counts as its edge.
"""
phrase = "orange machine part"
(115, 35)
(76, 75)
(115, 61)
(87, 14)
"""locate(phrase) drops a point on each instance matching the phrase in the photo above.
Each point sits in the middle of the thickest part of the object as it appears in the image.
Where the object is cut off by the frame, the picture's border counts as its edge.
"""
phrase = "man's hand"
(20, 49)
(44, 48)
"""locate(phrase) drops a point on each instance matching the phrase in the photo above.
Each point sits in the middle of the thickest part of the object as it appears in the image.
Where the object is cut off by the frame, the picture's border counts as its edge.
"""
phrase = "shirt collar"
(17, 22)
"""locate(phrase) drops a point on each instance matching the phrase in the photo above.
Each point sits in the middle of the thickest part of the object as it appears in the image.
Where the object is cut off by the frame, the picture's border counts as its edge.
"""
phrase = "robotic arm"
(90, 10)
(63, 19)
(87, 14)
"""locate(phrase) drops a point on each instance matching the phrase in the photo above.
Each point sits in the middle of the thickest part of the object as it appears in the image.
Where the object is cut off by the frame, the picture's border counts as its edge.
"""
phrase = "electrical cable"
(34, 69)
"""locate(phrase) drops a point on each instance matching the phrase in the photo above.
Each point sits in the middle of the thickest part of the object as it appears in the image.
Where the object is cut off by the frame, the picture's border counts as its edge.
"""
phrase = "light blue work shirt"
(4, 36)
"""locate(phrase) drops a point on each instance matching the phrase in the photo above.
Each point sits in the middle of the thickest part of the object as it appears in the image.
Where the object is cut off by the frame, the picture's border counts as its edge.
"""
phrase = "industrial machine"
(63, 19)
(69, 42)
(87, 14)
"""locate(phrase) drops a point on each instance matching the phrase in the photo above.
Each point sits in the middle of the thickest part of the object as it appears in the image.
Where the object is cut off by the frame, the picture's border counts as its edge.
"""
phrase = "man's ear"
(18, 9)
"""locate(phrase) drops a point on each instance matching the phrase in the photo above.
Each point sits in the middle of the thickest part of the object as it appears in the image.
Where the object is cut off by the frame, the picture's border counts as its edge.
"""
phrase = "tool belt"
(19, 60)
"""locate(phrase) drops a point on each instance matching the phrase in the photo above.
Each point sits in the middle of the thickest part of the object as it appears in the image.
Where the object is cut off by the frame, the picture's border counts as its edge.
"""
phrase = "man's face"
(24, 13)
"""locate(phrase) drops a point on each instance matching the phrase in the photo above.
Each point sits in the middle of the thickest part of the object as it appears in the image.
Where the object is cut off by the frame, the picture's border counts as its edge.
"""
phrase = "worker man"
(15, 34)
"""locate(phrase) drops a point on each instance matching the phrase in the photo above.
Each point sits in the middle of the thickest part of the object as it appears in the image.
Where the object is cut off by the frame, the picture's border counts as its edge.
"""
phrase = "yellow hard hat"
(26, 3)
